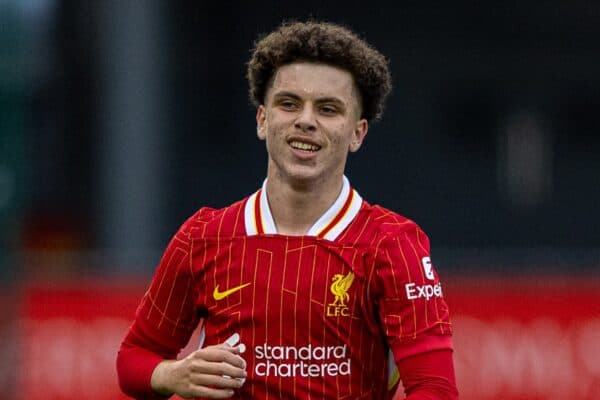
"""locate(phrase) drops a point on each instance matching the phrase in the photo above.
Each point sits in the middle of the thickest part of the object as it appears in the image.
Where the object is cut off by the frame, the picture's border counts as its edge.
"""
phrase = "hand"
(212, 372)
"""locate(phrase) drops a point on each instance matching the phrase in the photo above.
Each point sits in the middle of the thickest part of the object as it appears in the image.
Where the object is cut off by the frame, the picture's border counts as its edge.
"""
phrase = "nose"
(306, 119)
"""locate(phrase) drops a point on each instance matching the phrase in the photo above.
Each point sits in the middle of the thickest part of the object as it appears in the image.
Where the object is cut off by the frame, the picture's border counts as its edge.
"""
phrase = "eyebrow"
(319, 100)
(279, 95)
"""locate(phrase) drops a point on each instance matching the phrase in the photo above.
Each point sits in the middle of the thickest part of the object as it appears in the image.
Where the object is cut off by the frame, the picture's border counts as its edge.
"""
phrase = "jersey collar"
(259, 220)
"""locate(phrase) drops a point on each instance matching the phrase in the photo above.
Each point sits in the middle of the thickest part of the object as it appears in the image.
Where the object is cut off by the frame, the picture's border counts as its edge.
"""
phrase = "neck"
(296, 206)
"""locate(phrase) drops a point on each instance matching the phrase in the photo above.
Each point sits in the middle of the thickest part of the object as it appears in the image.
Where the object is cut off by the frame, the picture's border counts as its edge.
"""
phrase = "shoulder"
(402, 249)
(387, 224)
(210, 222)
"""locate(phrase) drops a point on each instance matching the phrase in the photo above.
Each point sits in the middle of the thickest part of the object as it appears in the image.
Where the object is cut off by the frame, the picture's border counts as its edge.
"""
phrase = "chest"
(266, 280)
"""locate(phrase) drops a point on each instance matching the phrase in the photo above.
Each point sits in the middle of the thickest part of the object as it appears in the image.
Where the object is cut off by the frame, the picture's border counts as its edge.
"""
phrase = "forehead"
(314, 80)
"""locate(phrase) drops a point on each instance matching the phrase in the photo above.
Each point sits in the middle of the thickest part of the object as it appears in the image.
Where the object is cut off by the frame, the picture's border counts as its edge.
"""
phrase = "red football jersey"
(326, 315)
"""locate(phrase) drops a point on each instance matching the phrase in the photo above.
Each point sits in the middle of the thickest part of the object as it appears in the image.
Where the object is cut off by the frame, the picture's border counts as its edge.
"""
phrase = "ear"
(360, 131)
(261, 122)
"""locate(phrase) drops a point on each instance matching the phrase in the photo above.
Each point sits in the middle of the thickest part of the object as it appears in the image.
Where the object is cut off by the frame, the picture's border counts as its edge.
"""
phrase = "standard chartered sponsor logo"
(305, 361)
(413, 291)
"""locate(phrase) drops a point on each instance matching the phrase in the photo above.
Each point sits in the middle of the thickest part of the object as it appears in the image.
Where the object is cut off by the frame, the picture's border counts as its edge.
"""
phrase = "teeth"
(304, 146)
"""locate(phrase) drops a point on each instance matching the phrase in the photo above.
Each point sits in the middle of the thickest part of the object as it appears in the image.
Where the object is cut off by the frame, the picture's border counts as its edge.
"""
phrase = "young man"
(303, 289)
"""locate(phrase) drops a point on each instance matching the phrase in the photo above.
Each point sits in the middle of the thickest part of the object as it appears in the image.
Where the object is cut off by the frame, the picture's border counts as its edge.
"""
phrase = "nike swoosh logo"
(221, 295)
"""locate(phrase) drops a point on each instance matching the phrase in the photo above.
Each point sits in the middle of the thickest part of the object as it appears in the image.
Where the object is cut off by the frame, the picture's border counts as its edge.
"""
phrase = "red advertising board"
(514, 339)
(517, 339)
(70, 334)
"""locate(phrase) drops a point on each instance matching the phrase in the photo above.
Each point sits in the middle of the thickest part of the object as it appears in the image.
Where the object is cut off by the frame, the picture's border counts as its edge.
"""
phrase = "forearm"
(135, 368)
(429, 376)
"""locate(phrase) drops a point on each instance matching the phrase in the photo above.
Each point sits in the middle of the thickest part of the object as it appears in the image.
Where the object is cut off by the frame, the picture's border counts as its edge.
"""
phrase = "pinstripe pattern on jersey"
(286, 303)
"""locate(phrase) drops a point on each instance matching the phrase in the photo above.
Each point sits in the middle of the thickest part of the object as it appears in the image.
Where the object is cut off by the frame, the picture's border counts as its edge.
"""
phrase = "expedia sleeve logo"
(339, 288)
(427, 268)
(425, 291)
(414, 291)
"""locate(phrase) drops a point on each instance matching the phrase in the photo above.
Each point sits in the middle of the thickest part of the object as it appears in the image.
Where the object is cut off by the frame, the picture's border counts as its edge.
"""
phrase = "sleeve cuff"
(135, 367)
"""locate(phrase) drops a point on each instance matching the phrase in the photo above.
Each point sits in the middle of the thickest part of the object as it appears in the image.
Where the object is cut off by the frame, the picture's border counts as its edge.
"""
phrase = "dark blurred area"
(119, 119)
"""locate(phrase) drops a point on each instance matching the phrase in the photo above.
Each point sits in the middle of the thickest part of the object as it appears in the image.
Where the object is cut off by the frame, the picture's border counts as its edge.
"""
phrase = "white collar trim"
(259, 220)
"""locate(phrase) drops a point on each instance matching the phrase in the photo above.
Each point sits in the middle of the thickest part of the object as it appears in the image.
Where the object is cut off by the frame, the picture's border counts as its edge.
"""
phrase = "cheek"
(273, 136)
(344, 137)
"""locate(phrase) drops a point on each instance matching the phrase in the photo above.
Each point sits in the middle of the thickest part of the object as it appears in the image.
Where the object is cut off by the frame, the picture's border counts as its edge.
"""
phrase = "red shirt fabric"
(321, 315)
(429, 376)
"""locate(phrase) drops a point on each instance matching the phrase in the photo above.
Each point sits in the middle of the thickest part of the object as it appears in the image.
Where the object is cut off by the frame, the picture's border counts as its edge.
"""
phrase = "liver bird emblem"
(340, 287)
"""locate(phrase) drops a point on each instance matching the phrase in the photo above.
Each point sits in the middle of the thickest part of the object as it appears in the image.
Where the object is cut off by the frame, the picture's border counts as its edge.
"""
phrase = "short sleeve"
(410, 298)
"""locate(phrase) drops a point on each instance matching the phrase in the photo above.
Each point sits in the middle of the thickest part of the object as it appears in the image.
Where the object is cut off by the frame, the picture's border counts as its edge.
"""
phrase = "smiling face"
(310, 120)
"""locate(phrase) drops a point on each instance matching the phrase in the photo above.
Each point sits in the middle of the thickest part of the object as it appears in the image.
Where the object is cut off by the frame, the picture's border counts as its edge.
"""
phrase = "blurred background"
(119, 119)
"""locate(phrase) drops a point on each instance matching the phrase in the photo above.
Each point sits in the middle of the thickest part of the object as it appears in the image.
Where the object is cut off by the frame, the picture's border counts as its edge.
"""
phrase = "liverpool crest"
(339, 288)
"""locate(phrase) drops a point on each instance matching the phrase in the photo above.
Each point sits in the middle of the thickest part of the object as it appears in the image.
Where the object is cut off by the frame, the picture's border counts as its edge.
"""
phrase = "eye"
(288, 105)
(328, 110)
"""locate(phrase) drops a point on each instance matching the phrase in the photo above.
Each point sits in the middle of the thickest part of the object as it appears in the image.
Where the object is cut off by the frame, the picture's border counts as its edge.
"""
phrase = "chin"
(299, 175)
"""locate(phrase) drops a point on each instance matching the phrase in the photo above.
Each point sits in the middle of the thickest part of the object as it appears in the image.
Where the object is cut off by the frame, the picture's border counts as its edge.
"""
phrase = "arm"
(201, 374)
(429, 376)
(414, 315)
(146, 363)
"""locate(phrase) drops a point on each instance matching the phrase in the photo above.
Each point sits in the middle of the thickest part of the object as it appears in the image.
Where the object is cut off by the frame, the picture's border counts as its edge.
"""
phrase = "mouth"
(303, 146)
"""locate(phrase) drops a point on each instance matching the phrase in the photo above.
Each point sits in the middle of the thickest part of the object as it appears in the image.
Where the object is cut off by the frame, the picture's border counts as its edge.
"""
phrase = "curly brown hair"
(327, 43)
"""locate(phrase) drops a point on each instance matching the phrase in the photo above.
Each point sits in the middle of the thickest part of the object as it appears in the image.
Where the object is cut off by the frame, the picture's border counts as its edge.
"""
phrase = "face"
(310, 122)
